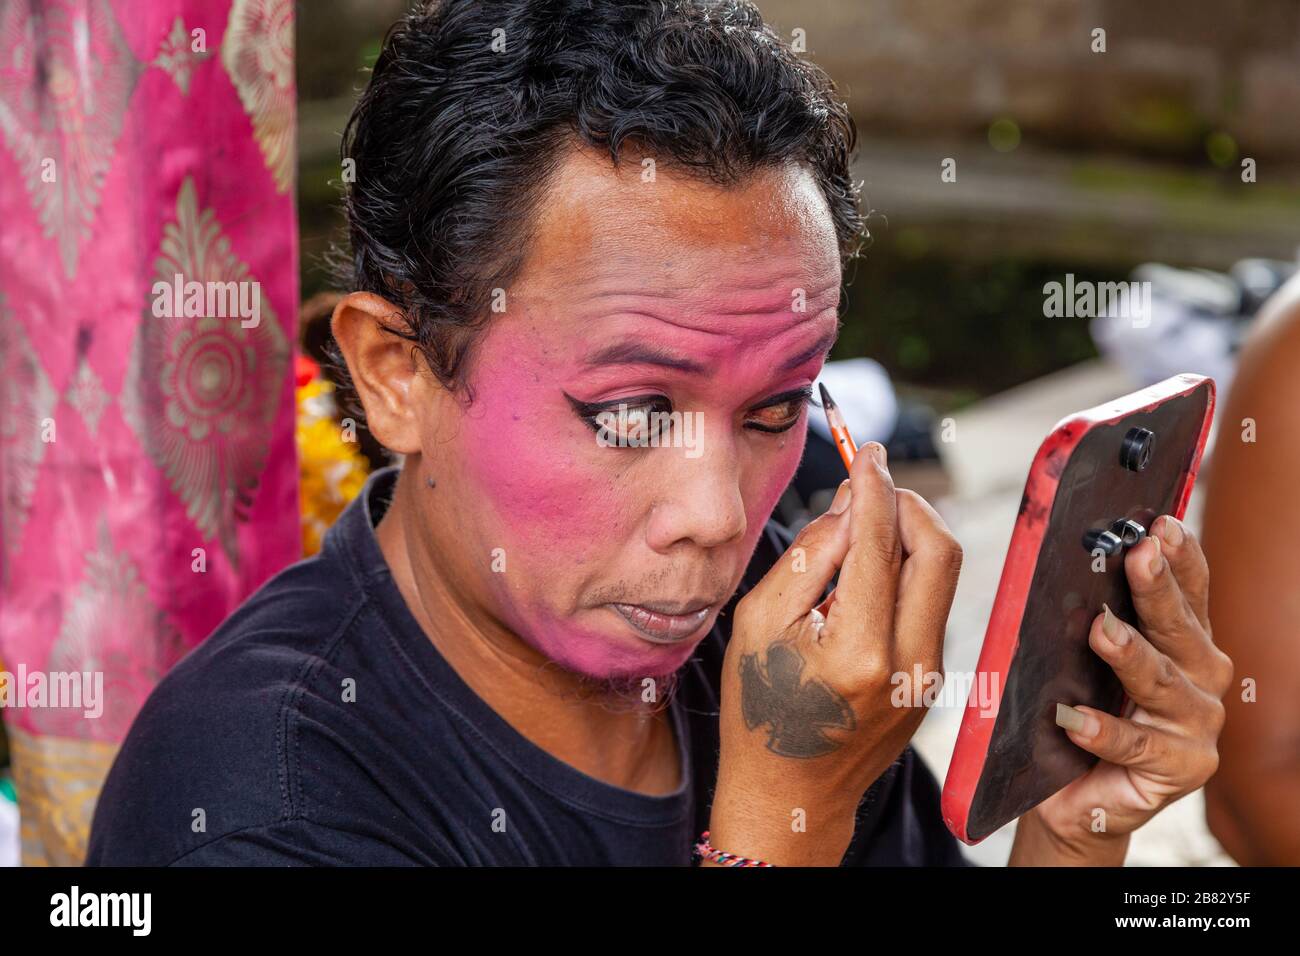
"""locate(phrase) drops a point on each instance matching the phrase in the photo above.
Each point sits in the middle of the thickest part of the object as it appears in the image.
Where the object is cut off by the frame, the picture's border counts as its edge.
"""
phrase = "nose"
(697, 499)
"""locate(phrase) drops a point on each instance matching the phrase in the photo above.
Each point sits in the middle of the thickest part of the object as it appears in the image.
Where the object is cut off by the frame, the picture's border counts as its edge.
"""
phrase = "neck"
(611, 737)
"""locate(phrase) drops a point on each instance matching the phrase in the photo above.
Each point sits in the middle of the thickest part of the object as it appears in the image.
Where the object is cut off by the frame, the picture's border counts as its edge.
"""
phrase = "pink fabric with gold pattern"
(147, 464)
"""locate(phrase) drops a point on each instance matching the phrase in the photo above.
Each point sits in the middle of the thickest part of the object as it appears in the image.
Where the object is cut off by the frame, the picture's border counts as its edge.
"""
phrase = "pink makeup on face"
(593, 534)
(610, 549)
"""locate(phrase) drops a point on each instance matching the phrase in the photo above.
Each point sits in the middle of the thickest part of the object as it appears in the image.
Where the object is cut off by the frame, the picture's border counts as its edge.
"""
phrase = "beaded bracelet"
(704, 850)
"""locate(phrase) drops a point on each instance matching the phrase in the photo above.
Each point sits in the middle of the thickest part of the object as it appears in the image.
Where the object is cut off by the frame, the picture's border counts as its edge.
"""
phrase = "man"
(1250, 520)
(597, 250)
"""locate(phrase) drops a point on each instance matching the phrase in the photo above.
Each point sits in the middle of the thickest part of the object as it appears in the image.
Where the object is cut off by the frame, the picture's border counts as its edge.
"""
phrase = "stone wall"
(1174, 71)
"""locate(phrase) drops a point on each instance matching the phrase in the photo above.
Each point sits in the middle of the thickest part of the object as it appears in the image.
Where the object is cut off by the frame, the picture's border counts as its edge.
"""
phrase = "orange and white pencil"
(839, 430)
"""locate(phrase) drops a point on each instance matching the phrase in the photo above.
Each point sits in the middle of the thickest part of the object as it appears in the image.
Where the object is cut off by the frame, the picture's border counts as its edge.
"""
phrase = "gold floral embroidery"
(87, 395)
(112, 627)
(65, 83)
(257, 52)
(26, 400)
(203, 392)
(176, 55)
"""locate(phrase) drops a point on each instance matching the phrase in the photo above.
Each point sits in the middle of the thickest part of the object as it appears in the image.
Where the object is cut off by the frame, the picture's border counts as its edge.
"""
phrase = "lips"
(664, 623)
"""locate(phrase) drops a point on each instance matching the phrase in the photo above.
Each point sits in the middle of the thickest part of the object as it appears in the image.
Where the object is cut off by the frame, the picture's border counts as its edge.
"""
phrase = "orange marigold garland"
(331, 468)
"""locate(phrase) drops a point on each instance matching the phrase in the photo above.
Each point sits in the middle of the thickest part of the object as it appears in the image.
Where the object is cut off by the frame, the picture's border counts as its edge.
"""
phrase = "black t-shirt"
(248, 753)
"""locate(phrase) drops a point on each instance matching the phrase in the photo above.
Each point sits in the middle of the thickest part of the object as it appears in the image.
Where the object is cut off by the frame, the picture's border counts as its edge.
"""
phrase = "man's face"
(667, 296)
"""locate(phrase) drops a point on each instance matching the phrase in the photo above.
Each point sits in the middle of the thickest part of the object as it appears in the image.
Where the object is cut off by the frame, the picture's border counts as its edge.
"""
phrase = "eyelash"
(589, 411)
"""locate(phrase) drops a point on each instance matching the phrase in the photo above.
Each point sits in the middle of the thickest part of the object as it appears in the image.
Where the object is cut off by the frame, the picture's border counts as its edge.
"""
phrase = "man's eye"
(632, 422)
(779, 417)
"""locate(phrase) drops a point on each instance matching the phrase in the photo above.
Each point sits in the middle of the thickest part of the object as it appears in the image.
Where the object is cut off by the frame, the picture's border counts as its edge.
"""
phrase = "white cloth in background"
(862, 390)
(8, 832)
(1190, 328)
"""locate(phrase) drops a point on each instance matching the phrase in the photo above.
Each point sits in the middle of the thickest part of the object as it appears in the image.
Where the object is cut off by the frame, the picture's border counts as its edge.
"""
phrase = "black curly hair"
(454, 141)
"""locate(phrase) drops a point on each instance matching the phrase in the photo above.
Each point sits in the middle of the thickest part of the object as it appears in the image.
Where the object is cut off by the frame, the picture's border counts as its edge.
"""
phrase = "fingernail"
(1115, 632)
(1157, 560)
(878, 452)
(1076, 721)
(841, 499)
(1171, 529)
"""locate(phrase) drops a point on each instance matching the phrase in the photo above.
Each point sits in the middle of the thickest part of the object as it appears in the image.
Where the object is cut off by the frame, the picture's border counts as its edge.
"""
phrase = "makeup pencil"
(839, 430)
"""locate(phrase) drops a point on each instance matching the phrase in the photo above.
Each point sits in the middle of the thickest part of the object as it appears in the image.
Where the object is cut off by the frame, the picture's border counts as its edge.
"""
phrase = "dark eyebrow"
(819, 347)
(639, 353)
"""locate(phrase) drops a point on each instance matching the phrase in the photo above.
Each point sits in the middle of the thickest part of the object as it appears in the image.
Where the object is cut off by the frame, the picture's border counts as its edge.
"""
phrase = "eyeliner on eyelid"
(590, 412)
(805, 393)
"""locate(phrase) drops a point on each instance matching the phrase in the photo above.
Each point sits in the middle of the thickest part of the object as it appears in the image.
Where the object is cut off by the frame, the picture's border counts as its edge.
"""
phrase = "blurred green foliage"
(967, 327)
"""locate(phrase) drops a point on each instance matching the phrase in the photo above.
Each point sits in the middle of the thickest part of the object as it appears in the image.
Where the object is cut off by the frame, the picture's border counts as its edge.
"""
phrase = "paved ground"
(996, 441)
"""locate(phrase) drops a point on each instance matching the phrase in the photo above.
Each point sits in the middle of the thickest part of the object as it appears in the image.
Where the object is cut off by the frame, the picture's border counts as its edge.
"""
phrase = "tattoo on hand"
(794, 711)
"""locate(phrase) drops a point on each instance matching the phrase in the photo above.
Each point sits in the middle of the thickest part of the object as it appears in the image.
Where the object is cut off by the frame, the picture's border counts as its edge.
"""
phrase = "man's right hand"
(807, 721)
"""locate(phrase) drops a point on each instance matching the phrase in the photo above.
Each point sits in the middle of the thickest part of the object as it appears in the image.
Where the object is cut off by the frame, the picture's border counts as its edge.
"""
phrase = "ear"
(386, 369)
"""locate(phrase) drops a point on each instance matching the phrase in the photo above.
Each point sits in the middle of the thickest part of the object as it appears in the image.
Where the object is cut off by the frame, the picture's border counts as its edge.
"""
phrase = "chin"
(616, 656)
